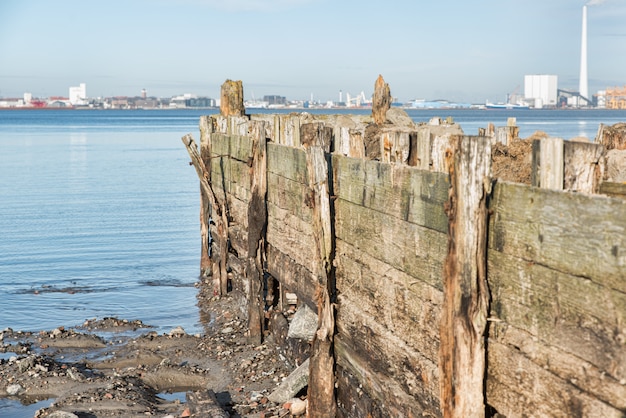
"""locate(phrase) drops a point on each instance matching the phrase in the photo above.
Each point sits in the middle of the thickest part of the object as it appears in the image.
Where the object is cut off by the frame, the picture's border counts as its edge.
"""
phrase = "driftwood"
(466, 294)
(205, 404)
(294, 383)
(220, 274)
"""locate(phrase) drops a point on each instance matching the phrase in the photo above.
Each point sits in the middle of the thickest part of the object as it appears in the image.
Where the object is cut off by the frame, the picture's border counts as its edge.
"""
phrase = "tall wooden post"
(257, 225)
(551, 168)
(231, 99)
(466, 294)
(321, 392)
(381, 101)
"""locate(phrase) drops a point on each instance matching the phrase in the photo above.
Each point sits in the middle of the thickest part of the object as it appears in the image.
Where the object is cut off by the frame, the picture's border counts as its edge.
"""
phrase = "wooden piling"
(466, 294)
(551, 167)
(381, 101)
(321, 391)
(231, 99)
(257, 225)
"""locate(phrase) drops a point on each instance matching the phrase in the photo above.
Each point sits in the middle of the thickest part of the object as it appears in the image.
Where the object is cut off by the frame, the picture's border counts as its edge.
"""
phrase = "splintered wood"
(220, 216)
(466, 294)
(321, 393)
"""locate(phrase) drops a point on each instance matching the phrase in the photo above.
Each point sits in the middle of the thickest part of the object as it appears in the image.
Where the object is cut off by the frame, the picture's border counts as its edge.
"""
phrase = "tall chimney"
(583, 87)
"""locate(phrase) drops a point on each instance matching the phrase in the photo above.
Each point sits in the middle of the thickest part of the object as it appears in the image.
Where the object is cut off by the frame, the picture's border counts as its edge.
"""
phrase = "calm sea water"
(99, 210)
(98, 217)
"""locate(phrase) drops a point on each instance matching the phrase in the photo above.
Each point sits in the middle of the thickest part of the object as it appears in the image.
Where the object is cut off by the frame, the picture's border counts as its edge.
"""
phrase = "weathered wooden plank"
(517, 387)
(289, 195)
(291, 235)
(287, 161)
(572, 370)
(386, 367)
(205, 404)
(402, 192)
(396, 300)
(613, 189)
(415, 250)
(292, 275)
(568, 313)
(241, 148)
(569, 232)
(220, 144)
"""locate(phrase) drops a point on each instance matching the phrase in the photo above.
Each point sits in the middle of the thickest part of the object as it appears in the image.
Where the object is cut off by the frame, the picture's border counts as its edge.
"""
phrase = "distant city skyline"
(450, 49)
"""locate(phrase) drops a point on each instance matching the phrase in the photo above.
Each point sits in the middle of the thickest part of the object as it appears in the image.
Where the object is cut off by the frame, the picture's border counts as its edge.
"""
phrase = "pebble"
(298, 407)
(177, 332)
(62, 414)
(14, 389)
(256, 396)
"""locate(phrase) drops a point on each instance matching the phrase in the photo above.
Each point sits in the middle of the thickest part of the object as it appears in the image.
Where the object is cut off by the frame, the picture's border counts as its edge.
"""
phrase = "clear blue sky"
(460, 50)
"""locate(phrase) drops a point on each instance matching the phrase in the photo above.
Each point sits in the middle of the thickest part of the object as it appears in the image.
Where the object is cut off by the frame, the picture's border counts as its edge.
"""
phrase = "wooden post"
(466, 294)
(220, 275)
(612, 137)
(423, 149)
(551, 167)
(381, 101)
(257, 225)
(584, 166)
(231, 99)
(321, 391)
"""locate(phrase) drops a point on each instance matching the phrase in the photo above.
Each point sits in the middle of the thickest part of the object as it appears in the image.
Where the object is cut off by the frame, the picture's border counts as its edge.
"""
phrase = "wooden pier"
(441, 289)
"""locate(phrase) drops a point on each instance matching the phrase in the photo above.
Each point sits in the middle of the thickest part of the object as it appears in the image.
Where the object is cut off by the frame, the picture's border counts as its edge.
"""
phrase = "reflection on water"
(583, 132)
(15, 409)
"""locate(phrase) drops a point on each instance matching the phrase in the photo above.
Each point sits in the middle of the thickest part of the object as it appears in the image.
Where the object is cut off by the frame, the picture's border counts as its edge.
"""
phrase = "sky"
(460, 50)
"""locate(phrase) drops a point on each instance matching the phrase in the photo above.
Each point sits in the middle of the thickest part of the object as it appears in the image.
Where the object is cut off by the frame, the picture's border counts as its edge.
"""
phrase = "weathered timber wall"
(556, 269)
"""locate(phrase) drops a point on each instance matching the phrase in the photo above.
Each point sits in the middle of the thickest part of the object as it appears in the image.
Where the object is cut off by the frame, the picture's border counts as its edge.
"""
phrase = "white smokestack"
(583, 87)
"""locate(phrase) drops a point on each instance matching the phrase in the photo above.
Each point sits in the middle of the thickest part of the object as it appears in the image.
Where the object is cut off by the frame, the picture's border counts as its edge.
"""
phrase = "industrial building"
(541, 90)
(78, 95)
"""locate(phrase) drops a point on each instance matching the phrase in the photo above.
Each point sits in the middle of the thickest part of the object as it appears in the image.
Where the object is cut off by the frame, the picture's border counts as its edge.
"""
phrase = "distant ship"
(507, 106)
(256, 105)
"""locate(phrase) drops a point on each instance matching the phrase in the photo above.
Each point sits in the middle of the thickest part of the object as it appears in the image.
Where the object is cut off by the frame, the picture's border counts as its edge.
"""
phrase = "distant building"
(78, 95)
(191, 100)
(541, 89)
(275, 100)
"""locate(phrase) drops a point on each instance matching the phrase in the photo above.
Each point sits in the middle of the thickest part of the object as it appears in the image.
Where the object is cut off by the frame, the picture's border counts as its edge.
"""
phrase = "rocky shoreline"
(114, 367)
